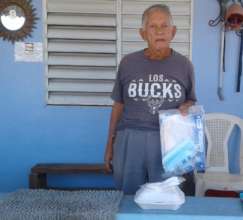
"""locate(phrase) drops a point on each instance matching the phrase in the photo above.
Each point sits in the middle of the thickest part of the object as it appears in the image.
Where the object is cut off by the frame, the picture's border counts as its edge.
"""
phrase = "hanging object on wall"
(240, 63)
(234, 21)
(234, 17)
(230, 19)
(17, 19)
(221, 20)
(222, 63)
(223, 6)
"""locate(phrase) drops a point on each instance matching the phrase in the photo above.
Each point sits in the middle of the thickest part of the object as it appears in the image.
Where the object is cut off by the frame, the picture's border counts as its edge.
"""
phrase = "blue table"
(195, 208)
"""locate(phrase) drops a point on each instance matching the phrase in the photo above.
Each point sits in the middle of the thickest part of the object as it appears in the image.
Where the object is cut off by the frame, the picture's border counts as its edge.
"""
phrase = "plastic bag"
(161, 195)
(182, 141)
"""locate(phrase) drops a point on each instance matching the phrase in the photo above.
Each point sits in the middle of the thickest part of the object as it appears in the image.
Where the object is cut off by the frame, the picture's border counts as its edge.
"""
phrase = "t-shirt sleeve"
(191, 94)
(117, 92)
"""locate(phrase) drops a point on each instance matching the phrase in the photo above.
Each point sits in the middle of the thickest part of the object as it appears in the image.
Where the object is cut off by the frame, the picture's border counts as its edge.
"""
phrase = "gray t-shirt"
(145, 86)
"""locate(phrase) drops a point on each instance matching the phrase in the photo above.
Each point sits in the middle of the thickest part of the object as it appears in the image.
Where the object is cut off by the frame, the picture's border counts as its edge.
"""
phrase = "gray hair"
(157, 7)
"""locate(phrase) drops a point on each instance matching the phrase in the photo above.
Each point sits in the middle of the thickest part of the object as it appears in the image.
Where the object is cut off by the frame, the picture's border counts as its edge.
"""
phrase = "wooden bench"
(38, 174)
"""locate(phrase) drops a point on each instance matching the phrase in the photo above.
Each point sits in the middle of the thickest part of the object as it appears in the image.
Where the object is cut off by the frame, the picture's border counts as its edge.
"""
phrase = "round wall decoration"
(17, 19)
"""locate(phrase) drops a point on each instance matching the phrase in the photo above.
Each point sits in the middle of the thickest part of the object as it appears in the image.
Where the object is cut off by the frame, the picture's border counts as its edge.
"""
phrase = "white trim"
(119, 30)
(45, 41)
(191, 28)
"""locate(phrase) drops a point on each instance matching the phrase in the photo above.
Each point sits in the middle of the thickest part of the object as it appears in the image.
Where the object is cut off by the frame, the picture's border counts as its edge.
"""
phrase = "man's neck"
(157, 54)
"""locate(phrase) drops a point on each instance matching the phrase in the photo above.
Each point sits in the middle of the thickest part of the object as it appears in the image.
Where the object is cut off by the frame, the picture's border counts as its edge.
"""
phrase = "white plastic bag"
(182, 141)
(161, 195)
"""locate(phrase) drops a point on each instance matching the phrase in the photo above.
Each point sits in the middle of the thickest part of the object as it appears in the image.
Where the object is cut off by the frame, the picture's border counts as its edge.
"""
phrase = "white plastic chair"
(218, 128)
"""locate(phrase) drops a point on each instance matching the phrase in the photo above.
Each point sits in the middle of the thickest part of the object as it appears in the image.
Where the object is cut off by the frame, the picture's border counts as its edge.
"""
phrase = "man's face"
(158, 31)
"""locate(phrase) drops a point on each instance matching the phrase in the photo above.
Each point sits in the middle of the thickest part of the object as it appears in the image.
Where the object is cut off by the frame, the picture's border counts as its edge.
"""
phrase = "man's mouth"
(160, 40)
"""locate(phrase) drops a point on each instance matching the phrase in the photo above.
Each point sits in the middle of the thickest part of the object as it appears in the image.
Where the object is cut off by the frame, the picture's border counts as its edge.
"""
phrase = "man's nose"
(159, 30)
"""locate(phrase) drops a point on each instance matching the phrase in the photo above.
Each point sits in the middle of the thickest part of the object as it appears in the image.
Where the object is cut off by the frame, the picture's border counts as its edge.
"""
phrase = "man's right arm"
(116, 113)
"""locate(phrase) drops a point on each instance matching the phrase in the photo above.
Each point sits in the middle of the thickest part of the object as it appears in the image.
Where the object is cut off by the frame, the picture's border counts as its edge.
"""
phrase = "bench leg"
(37, 181)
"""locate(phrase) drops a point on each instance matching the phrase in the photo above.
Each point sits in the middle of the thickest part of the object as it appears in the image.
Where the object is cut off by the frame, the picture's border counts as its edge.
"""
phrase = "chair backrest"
(218, 128)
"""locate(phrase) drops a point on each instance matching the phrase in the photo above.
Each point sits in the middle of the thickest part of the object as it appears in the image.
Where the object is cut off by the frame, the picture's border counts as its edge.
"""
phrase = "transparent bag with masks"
(182, 141)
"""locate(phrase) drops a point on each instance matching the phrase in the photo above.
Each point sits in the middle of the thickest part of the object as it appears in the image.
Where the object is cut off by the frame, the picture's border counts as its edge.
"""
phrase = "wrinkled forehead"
(159, 16)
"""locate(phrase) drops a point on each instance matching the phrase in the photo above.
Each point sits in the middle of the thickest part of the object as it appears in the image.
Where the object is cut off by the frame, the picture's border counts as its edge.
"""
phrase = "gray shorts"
(137, 160)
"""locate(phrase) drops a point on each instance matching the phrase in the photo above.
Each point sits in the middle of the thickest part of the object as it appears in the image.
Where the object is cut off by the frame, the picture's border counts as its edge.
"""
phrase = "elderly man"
(149, 80)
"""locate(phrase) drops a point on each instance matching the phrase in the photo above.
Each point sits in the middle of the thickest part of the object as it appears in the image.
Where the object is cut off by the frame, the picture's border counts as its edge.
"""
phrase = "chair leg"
(200, 188)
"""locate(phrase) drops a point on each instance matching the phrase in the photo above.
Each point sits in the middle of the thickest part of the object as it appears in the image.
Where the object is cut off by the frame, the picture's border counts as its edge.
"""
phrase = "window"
(85, 40)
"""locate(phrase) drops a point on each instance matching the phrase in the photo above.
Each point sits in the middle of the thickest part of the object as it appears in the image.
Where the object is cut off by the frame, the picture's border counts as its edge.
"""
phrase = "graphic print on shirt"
(155, 91)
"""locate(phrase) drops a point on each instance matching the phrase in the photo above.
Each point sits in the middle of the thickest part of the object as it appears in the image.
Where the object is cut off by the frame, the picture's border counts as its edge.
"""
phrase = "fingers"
(108, 159)
(108, 166)
(184, 110)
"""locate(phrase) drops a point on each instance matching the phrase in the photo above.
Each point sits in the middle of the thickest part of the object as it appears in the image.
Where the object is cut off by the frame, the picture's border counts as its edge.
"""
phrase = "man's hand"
(116, 113)
(108, 158)
(184, 107)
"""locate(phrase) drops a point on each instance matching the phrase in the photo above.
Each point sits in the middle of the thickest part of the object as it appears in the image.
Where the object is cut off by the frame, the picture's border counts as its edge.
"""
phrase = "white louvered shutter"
(131, 22)
(83, 44)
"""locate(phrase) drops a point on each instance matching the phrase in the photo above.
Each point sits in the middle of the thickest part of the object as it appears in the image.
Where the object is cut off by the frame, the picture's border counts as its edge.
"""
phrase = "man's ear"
(173, 32)
(143, 34)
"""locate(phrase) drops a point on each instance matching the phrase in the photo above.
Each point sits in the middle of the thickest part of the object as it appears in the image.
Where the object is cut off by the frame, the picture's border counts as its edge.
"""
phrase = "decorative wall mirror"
(17, 19)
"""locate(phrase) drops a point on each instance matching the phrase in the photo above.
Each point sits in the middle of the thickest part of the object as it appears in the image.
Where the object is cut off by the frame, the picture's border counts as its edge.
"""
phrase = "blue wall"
(31, 132)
